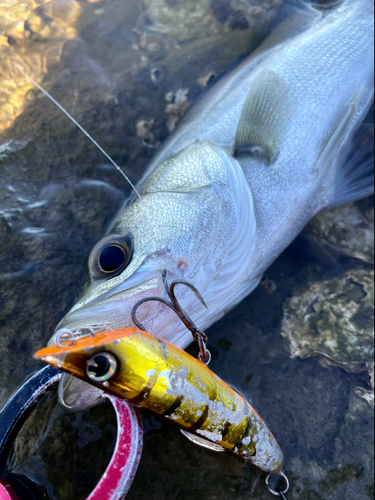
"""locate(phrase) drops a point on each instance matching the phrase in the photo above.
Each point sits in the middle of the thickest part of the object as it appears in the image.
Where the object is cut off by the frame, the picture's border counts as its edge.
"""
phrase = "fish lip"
(161, 323)
(80, 326)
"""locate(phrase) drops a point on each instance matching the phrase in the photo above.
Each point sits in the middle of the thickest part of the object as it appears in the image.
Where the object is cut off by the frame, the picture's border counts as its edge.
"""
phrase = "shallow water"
(128, 77)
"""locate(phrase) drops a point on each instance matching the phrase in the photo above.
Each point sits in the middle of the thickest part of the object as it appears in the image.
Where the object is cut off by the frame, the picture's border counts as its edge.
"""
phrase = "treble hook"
(199, 336)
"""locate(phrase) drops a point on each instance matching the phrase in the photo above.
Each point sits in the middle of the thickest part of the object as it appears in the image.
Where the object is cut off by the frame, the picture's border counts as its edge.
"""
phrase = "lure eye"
(110, 256)
(101, 367)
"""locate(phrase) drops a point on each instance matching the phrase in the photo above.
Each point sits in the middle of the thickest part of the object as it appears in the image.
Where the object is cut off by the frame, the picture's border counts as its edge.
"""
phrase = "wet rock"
(177, 107)
(367, 394)
(204, 80)
(348, 229)
(333, 318)
(351, 478)
(143, 128)
(182, 20)
(32, 36)
(268, 285)
(43, 262)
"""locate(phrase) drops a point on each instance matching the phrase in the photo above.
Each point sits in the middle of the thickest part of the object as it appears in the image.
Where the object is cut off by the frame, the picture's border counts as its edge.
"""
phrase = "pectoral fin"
(264, 117)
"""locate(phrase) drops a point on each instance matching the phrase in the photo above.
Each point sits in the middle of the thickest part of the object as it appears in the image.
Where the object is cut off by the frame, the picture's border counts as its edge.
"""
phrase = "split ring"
(276, 493)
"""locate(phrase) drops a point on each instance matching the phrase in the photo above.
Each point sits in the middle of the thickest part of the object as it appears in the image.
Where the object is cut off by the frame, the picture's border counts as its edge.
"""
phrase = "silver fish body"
(256, 159)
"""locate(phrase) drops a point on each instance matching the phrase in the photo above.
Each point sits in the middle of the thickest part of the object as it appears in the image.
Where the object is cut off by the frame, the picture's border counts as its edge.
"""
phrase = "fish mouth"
(112, 313)
(110, 310)
(113, 310)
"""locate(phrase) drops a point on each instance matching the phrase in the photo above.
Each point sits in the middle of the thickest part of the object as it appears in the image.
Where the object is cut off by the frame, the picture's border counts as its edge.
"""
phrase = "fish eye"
(110, 256)
(101, 367)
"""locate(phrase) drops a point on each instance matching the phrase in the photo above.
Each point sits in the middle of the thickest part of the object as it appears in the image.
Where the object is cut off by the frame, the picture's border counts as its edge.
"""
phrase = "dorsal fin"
(264, 116)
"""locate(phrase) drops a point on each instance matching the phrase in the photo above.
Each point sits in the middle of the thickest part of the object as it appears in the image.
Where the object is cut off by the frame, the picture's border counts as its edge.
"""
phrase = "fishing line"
(78, 125)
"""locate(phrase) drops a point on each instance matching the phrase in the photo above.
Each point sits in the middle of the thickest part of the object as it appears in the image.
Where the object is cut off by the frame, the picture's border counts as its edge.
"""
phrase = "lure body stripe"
(161, 377)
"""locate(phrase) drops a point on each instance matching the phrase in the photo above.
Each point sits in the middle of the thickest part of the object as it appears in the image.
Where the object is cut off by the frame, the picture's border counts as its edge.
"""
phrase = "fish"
(263, 152)
(153, 373)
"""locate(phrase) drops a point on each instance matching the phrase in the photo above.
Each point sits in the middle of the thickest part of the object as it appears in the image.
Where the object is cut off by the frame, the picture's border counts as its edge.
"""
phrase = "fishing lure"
(151, 372)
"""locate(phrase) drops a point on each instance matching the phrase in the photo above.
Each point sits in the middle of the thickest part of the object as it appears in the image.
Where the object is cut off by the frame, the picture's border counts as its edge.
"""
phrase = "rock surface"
(334, 318)
(32, 37)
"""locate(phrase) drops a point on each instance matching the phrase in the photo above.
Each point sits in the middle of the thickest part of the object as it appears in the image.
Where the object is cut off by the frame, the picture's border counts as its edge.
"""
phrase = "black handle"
(18, 408)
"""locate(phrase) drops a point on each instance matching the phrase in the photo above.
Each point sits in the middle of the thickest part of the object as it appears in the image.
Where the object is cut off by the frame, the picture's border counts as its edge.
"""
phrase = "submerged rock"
(32, 36)
(334, 318)
(348, 229)
(189, 18)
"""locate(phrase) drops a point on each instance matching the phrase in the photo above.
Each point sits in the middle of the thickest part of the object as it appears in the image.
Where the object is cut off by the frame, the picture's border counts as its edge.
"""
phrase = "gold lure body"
(151, 372)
